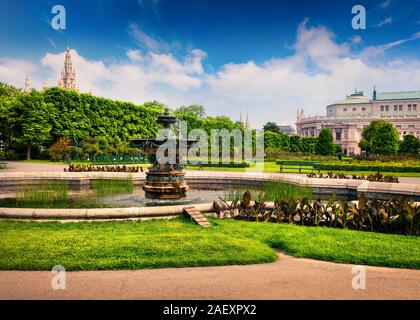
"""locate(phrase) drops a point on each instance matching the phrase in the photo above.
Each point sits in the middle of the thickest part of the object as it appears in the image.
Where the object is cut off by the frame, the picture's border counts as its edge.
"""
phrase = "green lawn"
(180, 243)
(271, 166)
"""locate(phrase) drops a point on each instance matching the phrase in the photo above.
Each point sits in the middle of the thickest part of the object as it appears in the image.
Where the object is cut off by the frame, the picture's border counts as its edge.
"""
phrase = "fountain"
(164, 180)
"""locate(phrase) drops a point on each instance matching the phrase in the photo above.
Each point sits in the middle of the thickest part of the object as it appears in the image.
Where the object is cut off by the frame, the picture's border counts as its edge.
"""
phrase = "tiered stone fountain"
(164, 180)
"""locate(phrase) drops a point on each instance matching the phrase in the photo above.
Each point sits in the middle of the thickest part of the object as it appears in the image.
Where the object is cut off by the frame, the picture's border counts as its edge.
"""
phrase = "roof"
(401, 95)
(354, 98)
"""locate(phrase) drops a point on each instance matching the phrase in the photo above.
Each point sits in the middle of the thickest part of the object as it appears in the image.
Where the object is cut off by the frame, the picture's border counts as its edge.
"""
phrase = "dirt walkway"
(287, 278)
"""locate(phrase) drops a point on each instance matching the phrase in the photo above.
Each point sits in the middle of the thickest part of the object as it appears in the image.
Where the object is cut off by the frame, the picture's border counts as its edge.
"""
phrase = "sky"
(267, 58)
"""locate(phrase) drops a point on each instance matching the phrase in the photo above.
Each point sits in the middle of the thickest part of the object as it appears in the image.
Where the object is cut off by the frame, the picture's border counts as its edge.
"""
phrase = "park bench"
(294, 164)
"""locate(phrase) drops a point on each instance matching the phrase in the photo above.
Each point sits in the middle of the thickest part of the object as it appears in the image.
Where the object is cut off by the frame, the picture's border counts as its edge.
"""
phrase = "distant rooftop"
(401, 95)
(357, 97)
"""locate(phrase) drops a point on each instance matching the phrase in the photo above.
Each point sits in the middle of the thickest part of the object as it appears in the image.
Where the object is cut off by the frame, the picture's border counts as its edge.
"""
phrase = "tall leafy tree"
(271, 126)
(193, 109)
(278, 141)
(294, 143)
(31, 120)
(325, 144)
(368, 134)
(307, 144)
(409, 144)
(385, 139)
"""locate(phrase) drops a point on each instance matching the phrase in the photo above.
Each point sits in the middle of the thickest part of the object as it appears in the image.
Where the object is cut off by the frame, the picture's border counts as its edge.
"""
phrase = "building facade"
(347, 118)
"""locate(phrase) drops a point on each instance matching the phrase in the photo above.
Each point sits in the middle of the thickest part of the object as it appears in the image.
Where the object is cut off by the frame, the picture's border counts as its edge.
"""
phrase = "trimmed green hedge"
(359, 167)
(303, 163)
(222, 165)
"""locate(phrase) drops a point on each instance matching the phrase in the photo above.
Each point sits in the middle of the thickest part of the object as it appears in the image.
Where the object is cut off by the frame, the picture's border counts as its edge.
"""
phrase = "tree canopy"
(379, 137)
(325, 144)
(409, 144)
(271, 126)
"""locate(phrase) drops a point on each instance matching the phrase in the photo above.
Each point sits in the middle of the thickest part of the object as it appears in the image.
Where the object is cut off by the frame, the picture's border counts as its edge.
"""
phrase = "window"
(395, 107)
(345, 109)
(354, 109)
(382, 108)
(411, 126)
(386, 108)
(400, 107)
(363, 109)
(409, 107)
(338, 134)
(414, 107)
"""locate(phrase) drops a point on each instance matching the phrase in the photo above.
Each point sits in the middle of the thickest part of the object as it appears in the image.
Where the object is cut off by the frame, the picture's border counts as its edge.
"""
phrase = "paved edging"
(216, 176)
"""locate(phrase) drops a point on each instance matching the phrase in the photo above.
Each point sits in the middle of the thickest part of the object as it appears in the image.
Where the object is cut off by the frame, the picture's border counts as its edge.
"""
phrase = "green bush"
(377, 168)
(325, 144)
(222, 165)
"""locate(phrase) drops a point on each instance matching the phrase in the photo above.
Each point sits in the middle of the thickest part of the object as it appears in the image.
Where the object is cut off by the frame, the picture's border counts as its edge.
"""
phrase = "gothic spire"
(27, 87)
(68, 74)
(247, 123)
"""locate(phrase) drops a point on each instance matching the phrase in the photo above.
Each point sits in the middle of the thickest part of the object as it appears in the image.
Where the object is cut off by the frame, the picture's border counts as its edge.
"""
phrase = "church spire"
(68, 74)
(247, 123)
(27, 87)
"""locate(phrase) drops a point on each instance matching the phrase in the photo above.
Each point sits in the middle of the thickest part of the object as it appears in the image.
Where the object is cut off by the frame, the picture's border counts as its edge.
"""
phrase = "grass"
(180, 243)
(271, 166)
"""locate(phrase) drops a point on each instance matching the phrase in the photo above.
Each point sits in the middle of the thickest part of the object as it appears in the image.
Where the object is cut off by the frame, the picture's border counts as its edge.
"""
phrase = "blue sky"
(227, 55)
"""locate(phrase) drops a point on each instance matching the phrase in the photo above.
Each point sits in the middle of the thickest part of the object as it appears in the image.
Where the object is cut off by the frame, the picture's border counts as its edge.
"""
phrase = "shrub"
(222, 165)
(387, 216)
(377, 168)
(325, 144)
(409, 144)
(60, 150)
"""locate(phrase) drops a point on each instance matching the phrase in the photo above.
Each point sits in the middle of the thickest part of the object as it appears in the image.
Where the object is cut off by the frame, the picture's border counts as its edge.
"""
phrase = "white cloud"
(384, 22)
(134, 55)
(356, 40)
(89, 74)
(374, 51)
(146, 41)
(14, 71)
(318, 72)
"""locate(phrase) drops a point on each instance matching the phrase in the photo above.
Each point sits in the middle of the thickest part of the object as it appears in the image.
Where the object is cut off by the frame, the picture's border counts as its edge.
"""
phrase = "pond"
(122, 193)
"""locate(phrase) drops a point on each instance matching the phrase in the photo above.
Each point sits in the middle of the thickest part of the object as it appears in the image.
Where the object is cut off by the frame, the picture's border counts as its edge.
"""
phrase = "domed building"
(347, 118)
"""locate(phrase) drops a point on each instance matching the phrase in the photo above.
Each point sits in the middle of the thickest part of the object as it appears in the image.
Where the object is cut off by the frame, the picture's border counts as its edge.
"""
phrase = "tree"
(271, 126)
(294, 143)
(409, 144)
(274, 140)
(325, 144)
(385, 139)
(308, 144)
(31, 120)
(368, 133)
(194, 109)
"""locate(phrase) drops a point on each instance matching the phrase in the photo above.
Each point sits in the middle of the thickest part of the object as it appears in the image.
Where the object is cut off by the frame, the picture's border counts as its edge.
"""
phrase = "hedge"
(222, 165)
(378, 168)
